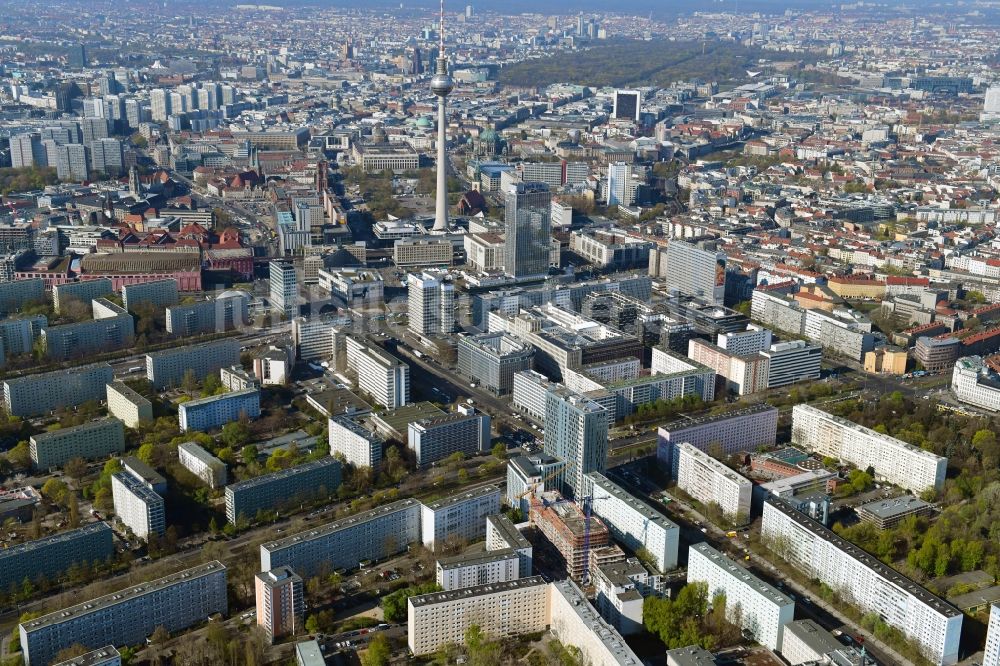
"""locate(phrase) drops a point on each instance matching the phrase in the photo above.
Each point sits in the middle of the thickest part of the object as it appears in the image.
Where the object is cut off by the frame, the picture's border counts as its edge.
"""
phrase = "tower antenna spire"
(441, 31)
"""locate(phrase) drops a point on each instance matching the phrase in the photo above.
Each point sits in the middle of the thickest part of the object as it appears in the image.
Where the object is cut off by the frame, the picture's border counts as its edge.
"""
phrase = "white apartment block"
(863, 581)
(37, 394)
(313, 338)
(359, 446)
(529, 475)
(129, 616)
(707, 480)
(575, 622)
(634, 523)
(974, 383)
(501, 609)
(138, 507)
(430, 303)
(158, 293)
(791, 362)
(217, 410)
(805, 642)
(486, 568)
(168, 367)
(743, 430)
(530, 391)
(235, 378)
(742, 343)
(620, 589)
(502, 534)
(436, 438)
(763, 610)
(93, 440)
(992, 655)
(382, 376)
(895, 461)
(202, 464)
(376, 534)
(461, 516)
(128, 406)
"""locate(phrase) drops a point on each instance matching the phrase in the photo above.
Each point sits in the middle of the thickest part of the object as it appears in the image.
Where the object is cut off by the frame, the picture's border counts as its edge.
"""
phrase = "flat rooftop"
(898, 506)
(481, 557)
(477, 591)
(62, 537)
(696, 421)
(736, 571)
(466, 496)
(137, 487)
(397, 420)
(814, 636)
(619, 493)
(106, 422)
(511, 535)
(282, 474)
(201, 454)
(109, 600)
(126, 392)
(231, 395)
(340, 524)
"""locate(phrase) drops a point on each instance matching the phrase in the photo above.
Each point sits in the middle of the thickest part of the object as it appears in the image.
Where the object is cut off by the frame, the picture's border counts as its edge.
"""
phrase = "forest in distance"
(622, 63)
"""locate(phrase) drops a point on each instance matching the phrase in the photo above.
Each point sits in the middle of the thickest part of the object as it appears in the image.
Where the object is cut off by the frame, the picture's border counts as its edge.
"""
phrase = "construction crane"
(588, 505)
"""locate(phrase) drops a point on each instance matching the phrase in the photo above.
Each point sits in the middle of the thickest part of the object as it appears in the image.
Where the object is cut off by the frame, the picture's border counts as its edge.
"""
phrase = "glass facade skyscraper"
(528, 219)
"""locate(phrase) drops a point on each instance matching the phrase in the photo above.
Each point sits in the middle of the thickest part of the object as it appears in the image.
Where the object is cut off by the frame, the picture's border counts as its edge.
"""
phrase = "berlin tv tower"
(441, 85)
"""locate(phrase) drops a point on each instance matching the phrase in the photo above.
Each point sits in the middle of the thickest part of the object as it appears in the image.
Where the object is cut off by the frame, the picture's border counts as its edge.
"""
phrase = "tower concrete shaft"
(441, 204)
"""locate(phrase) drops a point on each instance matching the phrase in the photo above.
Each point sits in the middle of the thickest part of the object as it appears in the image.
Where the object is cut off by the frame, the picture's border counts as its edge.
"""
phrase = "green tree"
(146, 453)
(211, 385)
(235, 434)
(378, 653)
(500, 451)
(482, 651)
(20, 456)
(76, 469)
(249, 454)
(55, 491)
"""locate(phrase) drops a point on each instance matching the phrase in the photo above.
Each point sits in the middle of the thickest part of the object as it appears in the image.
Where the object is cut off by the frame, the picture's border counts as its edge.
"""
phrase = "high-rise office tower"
(76, 58)
(284, 290)
(71, 161)
(431, 303)
(528, 218)
(579, 25)
(620, 190)
(94, 107)
(27, 150)
(94, 129)
(441, 85)
(991, 104)
(107, 157)
(627, 103)
(133, 113)
(576, 431)
(159, 104)
(468, 11)
(694, 271)
(417, 61)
